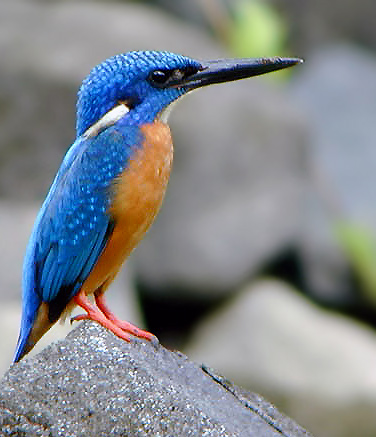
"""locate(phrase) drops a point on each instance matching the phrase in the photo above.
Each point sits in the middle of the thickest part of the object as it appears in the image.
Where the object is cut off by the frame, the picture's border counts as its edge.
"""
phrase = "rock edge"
(94, 384)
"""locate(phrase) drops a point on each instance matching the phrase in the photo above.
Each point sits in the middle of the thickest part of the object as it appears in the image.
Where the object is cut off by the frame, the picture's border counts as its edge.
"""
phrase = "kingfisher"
(111, 184)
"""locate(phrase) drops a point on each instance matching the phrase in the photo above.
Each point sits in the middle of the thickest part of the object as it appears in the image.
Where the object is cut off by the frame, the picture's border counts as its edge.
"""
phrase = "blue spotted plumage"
(96, 204)
(72, 227)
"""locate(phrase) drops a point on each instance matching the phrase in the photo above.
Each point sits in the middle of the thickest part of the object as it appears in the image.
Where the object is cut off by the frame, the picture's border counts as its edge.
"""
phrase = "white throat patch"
(165, 113)
(109, 118)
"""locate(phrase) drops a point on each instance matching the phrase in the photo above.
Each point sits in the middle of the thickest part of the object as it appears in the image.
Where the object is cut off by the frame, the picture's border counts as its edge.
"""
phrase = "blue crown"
(125, 78)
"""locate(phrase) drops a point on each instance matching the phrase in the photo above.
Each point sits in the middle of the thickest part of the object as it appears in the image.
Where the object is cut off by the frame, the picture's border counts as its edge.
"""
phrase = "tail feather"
(22, 344)
(33, 325)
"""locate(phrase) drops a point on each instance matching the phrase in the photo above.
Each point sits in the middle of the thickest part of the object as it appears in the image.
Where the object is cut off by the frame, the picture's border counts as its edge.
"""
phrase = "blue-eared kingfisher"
(111, 184)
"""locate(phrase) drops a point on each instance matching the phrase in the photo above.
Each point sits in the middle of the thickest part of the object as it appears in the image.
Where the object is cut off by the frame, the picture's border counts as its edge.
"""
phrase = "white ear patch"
(110, 118)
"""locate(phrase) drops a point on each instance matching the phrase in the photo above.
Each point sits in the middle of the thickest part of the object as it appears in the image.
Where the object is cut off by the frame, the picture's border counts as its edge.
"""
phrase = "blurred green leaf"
(359, 245)
(257, 30)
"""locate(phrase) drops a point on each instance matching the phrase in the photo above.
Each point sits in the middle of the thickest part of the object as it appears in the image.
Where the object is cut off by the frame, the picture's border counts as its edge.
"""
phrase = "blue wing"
(73, 226)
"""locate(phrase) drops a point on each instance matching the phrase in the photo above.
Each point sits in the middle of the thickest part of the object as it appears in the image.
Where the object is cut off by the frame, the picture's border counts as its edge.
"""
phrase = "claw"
(78, 318)
(102, 314)
(122, 324)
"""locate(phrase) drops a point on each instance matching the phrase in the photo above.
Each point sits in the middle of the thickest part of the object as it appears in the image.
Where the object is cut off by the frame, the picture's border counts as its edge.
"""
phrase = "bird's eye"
(159, 77)
(163, 78)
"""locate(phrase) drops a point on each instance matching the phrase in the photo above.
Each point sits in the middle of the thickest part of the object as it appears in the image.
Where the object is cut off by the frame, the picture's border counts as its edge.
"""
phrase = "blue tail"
(22, 343)
(30, 299)
(29, 312)
(31, 303)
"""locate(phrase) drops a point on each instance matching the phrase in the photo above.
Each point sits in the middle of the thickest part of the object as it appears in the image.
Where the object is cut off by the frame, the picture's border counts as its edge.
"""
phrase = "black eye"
(159, 77)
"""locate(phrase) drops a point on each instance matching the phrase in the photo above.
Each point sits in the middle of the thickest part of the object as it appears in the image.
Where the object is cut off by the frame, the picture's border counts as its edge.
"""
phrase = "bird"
(110, 185)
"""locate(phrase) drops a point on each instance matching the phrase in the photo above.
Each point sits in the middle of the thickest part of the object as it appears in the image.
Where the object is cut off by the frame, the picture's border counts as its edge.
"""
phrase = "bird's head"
(141, 85)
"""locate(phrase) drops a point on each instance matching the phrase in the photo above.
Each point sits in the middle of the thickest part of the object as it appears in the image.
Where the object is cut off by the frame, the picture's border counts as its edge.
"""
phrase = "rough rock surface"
(313, 363)
(95, 384)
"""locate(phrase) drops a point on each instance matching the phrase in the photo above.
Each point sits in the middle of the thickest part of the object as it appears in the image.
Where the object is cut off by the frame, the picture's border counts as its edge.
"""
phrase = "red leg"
(122, 324)
(106, 318)
(93, 314)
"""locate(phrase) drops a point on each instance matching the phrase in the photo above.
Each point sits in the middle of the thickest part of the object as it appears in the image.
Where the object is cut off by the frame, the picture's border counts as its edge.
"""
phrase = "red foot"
(106, 318)
(122, 324)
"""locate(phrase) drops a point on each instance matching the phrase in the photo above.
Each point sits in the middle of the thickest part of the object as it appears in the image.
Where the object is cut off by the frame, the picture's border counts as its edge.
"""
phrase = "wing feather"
(73, 225)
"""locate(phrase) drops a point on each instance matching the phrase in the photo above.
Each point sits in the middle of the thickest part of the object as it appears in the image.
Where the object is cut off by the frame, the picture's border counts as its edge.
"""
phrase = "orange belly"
(138, 194)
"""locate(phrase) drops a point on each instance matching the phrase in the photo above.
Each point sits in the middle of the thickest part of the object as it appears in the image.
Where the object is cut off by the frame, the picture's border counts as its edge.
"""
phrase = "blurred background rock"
(262, 261)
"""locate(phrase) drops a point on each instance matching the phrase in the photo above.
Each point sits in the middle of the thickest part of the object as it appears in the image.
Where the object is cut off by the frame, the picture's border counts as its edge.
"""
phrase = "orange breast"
(138, 194)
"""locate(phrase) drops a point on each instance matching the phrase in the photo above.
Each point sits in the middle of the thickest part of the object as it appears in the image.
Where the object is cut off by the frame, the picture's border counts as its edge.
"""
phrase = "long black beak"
(226, 70)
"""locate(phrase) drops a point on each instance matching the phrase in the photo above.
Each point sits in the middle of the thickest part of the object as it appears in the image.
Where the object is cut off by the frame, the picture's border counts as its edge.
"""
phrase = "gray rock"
(95, 384)
(314, 364)
(337, 90)
(234, 199)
